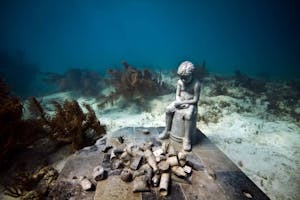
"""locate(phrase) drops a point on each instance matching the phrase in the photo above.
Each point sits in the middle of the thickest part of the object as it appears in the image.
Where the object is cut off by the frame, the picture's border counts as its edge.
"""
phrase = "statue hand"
(177, 104)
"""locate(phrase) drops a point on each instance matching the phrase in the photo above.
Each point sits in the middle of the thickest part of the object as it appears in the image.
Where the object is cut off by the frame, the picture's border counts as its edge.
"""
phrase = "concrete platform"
(220, 178)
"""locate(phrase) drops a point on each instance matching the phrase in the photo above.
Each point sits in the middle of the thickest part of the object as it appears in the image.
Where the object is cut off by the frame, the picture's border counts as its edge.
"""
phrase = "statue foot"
(187, 146)
(164, 135)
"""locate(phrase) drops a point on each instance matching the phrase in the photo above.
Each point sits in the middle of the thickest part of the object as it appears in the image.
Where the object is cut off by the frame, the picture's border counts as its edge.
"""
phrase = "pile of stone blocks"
(146, 165)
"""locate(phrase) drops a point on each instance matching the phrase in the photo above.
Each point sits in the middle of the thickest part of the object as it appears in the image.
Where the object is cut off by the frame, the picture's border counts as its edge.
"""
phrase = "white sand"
(268, 150)
(265, 147)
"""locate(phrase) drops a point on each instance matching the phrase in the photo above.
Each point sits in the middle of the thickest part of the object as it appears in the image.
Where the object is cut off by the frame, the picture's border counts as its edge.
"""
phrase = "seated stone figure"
(187, 96)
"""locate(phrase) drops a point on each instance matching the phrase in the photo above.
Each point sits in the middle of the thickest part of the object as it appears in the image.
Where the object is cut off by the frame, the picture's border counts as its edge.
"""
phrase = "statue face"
(186, 79)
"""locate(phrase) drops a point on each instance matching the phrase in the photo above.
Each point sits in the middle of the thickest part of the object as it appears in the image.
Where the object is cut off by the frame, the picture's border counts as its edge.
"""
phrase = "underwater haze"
(256, 37)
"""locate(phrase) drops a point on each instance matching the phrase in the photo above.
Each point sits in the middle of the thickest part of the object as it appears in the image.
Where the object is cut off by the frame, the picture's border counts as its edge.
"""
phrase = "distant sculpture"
(181, 114)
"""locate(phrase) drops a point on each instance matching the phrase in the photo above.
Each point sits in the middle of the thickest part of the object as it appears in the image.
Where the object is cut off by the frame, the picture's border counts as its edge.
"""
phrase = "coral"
(69, 124)
(134, 85)
(87, 82)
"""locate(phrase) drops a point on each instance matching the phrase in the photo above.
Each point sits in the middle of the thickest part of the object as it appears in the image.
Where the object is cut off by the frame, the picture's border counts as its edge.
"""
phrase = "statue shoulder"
(197, 83)
(179, 82)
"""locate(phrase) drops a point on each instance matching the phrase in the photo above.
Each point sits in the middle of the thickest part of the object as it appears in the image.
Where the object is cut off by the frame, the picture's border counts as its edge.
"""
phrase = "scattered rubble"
(147, 165)
(86, 184)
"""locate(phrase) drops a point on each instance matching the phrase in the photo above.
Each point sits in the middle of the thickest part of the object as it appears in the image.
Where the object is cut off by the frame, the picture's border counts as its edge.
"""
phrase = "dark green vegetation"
(244, 94)
(69, 124)
(134, 85)
(33, 140)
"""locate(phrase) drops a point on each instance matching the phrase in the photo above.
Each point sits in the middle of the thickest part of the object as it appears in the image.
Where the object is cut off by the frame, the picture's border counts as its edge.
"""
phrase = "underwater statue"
(181, 114)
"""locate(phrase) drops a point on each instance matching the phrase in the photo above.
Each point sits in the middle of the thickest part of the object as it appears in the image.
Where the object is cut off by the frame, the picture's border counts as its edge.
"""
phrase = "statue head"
(185, 71)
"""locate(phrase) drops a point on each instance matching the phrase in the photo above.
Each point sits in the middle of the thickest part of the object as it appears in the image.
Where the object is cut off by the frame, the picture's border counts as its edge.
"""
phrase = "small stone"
(130, 148)
(160, 158)
(99, 173)
(181, 156)
(173, 161)
(140, 184)
(113, 156)
(148, 153)
(125, 156)
(164, 147)
(137, 160)
(182, 163)
(86, 184)
(106, 164)
(211, 173)
(101, 141)
(163, 166)
(115, 172)
(155, 142)
(155, 180)
(120, 139)
(158, 152)
(247, 194)
(194, 163)
(179, 171)
(118, 151)
(171, 151)
(117, 164)
(126, 175)
(145, 131)
(106, 148)
(240, 163)
(261, 183)
(238, 140)
(146, 146)
(187, 169)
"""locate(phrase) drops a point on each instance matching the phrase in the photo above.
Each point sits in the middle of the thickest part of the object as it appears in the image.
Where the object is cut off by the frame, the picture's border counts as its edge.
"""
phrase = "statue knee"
(169, 112)
(189, 117)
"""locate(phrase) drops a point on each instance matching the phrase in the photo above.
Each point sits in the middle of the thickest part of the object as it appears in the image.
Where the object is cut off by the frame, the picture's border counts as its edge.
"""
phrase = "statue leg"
(188, 129)
(166, 133)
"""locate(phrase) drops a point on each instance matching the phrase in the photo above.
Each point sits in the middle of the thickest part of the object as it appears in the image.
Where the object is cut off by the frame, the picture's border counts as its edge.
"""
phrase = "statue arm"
(178, 89)
(196, 95)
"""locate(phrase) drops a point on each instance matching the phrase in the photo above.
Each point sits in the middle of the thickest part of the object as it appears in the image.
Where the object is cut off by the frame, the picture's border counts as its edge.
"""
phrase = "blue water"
(253, 36)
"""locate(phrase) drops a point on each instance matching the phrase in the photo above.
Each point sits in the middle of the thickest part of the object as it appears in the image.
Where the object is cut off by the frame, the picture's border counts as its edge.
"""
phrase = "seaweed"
(69, 124)
(87, 82)
(283, 99)
(219, 89)
(10, 115)
(15, 133)
(32, 185)
(254, 85)
(134, 85)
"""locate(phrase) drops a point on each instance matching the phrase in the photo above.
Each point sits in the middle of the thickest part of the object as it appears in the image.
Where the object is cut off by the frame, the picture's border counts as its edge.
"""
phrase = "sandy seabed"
(266, 147)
